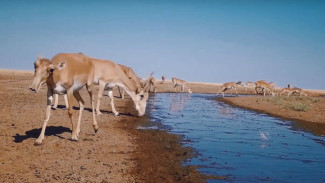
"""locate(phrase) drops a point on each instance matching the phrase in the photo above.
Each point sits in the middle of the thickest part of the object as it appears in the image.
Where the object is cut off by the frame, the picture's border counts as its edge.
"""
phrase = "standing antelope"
(162, 79)
(182, 83)
(299, 91)
(287, 91)
(265, 86)
(152, 82)
(109, 74)
(228, 86)
(67, 73)
(250, 84)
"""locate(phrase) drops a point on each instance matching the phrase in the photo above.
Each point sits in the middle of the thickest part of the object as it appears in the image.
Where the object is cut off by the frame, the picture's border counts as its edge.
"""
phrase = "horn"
(147, 83)
(150, 75)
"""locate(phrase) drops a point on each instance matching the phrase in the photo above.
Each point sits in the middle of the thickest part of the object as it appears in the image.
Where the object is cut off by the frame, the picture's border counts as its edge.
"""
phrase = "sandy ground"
(118, 152)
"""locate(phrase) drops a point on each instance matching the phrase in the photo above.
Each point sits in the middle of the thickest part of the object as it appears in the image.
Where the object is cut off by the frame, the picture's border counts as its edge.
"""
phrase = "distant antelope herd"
(67, 73)
(262, 87)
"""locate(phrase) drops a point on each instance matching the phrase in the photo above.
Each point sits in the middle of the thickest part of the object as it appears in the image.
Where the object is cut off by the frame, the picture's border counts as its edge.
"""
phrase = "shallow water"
(243, 145)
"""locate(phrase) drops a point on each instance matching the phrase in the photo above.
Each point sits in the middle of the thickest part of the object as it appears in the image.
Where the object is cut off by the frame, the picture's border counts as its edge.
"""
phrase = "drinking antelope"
(182, 83)
(228, 86)
(66, 74)
(109, 74)
(129, 72)
(265, 86)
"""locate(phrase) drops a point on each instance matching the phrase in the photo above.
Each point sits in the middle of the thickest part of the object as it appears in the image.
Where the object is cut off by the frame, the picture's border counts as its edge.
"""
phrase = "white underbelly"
(77, 86)
(59, 89)
(110, 85)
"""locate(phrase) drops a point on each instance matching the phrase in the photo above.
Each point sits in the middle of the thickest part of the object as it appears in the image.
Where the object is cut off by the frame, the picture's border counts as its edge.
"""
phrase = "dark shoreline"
(161, 155)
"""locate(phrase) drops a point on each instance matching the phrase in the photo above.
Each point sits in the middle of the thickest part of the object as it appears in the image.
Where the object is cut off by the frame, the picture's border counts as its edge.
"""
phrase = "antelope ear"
(61, 65)
(138, 90)
(39, 57)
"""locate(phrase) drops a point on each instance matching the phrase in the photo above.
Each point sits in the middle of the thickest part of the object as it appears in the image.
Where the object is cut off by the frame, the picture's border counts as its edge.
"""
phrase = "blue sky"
(209, 41)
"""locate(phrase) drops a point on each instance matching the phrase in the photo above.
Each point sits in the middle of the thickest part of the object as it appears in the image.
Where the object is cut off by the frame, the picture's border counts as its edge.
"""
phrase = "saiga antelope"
(67, 73)
(129, 72)
(228, 86)
(265, 86)
(298, 91)
(109, 74)
(152, 82)
(182, 83)
(287, 91)
(162, 79)
(249, 84)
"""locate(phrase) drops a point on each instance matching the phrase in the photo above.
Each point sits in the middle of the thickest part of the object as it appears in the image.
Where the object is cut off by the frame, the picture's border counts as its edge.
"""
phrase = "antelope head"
(239, 83)
(43, 68)
(142, 95)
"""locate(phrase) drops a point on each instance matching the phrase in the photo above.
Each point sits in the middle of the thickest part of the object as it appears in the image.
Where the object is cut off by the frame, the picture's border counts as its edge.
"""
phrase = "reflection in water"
(243, 145)
(225, 111)
(265, 139)
(177, 102)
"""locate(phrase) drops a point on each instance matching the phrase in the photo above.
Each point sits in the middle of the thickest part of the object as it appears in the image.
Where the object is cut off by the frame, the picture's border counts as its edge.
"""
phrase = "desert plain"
(119, 151)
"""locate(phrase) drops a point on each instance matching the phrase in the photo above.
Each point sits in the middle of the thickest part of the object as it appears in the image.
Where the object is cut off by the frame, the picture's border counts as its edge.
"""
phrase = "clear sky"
(203, 40)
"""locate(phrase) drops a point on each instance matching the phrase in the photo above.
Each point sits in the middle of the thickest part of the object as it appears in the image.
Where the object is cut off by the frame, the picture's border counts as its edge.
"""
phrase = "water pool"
(243, 145)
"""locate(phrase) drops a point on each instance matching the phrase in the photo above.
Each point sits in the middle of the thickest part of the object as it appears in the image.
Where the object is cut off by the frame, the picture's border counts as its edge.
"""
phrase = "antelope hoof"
(74, 138)
(117, 114)
(99, 113)
(95, 128)
(38, 142)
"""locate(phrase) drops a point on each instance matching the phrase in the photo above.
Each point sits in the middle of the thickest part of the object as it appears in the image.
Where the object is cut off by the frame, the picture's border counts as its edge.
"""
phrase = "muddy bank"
(116, 153)
(307, 112)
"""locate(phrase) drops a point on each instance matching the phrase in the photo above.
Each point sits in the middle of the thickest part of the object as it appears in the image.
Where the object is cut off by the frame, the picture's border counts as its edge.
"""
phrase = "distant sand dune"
(15, 72)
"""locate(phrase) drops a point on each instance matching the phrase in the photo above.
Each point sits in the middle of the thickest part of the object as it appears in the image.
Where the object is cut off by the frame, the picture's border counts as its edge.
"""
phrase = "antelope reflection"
(178, 102)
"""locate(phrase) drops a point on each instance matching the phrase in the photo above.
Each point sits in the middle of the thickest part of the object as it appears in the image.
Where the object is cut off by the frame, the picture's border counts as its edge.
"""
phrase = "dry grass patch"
(296, 103)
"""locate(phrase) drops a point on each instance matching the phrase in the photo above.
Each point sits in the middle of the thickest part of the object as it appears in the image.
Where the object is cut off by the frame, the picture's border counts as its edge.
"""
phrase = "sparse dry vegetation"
(297, 103)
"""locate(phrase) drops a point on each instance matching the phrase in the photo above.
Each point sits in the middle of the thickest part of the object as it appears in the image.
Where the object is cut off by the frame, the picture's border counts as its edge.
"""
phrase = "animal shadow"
(63, 107)
(34, 133)
(104, 111)
(110, 112)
